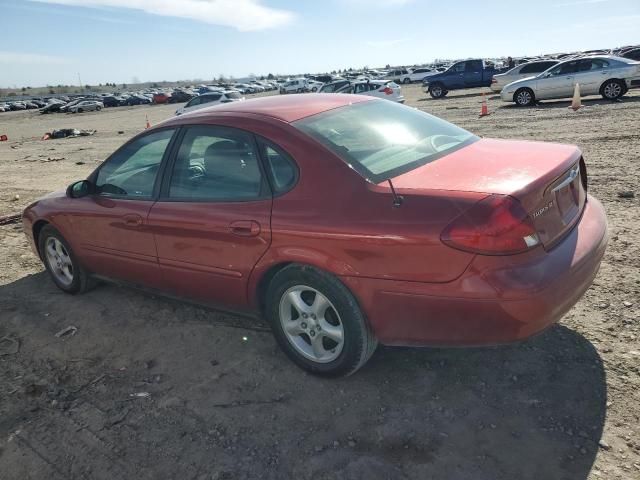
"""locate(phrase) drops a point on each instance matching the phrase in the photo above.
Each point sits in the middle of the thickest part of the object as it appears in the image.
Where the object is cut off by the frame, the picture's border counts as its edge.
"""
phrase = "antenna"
(397, 199)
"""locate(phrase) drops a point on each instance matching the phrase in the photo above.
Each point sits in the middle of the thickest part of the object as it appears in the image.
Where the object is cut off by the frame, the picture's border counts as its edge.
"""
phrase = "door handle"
(245, 228)
(132, 220)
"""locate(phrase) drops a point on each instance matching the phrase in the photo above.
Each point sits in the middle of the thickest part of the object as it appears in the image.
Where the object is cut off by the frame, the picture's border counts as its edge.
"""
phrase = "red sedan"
(344, 220)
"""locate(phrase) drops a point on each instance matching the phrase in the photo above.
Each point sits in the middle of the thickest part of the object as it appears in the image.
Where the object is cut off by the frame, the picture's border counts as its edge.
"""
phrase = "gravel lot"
(152, 388)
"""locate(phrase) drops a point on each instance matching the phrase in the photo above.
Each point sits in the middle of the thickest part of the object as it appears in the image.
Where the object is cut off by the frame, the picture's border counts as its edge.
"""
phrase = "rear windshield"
(382, 139)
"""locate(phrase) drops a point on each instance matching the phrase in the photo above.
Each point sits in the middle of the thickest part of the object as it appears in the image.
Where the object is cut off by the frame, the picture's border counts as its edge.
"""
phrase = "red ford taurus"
(344, 220)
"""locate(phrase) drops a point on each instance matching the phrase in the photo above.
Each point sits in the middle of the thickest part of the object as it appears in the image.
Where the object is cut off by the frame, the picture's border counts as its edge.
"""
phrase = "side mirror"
(80, 189)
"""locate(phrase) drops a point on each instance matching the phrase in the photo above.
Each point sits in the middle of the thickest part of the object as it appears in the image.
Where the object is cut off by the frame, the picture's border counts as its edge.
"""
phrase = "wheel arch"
(619, 80)
(276, 260)
(36, 229)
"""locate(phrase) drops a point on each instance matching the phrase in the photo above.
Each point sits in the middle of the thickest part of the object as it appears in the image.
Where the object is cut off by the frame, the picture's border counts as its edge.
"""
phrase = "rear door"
(212, 222)
(473, 73)
(592, 72)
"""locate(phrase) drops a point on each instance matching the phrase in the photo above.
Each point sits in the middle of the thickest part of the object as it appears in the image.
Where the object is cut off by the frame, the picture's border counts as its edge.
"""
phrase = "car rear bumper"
(497, 300)
(495, 87)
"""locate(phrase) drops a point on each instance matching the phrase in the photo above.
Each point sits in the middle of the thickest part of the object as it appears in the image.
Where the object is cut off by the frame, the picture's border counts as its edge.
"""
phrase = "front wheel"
(437, 91)
(79, 110)
(317, 322)
(406, 80)
(61, 263)
(612, 89)
(524, 97)
(98, 108)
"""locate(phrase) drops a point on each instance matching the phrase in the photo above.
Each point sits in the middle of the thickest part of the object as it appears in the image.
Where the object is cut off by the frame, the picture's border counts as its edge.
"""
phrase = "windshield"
(382, 139)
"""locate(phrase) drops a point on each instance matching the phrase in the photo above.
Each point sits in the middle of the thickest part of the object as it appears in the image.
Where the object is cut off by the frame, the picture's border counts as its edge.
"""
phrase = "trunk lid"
(548, 179)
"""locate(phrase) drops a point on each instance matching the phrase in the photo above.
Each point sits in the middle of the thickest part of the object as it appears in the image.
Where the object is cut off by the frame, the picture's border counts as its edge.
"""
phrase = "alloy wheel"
(523, 98)
(612, 90)
(59, 261)
(311, 324)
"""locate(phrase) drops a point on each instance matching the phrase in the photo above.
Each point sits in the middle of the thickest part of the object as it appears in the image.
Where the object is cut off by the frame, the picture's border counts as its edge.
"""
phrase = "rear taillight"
(497, 225)
(493, 80)
(387, 90)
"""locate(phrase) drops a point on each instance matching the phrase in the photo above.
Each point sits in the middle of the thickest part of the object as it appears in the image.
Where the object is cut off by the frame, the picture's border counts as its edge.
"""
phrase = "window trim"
(164, 188)
(262, 143)
(161, 168)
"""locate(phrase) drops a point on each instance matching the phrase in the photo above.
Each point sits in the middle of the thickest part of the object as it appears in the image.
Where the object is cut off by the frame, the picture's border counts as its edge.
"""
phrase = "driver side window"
(132, 170)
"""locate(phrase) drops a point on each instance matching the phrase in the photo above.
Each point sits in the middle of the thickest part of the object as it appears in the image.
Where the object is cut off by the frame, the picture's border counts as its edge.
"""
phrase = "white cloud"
(377, 3)
(386, 43)
(245, 15)
(18, 58)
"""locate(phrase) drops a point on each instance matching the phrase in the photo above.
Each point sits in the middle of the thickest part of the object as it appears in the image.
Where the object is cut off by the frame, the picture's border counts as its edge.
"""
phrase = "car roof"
(288, 108)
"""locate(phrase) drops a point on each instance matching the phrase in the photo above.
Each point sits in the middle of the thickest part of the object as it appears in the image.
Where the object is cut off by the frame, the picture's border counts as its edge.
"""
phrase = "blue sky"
(51, 41)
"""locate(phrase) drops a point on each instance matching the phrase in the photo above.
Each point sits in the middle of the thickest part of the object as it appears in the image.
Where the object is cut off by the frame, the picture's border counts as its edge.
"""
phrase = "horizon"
(92, 42)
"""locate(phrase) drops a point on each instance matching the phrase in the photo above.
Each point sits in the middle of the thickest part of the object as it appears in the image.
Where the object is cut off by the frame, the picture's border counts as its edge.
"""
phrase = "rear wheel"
(98, 108)
(61, 263)
(317, 322)
(524, 97)
(612, 89)
(437, 90)
(79, 110)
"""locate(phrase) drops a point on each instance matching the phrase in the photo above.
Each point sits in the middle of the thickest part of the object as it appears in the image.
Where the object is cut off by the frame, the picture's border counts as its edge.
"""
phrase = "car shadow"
(566, 103)
(528, 411)
(488, 93)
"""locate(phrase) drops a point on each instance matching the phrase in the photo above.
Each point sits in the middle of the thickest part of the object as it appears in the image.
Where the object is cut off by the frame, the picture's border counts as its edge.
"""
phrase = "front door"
(111, 224)
(558, 82)
(212, 222)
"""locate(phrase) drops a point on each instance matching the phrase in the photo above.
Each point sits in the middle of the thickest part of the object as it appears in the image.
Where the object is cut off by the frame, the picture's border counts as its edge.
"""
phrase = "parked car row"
(372, 88)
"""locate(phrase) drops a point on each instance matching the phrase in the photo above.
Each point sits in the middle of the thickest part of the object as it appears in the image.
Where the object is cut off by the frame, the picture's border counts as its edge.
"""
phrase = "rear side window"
(536, 67)
(210, 98)
(474, 65)
(281, 167)
(216, 164)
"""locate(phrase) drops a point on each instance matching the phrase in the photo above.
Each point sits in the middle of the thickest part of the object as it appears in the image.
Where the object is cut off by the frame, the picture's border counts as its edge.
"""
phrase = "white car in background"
(523, 70)
(298, 85)
(314, 86)
(419, 74)
(399, 75)
(86, 106)
(374, 88)
(604, 75)
(210, 99)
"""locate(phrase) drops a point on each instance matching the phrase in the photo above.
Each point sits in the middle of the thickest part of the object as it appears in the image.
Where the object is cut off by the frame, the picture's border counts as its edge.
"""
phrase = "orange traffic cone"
(148, 124)
(576, 102)
(485, 109)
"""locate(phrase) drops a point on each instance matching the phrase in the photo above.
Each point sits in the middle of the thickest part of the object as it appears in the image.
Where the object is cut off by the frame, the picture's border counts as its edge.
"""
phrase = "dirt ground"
(151, 388)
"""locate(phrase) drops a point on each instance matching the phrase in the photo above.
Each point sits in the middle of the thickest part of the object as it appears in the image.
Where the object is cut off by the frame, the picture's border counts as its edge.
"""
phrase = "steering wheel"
(440, 141)
(196, 172)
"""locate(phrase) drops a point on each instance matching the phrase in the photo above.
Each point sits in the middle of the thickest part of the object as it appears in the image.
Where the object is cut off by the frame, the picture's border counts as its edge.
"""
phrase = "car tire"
(323, 329)
(62, 263)
(406, 80)
(79, 110)
(612, 89)
(524, 97)
(98, 108)
(437, 90)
